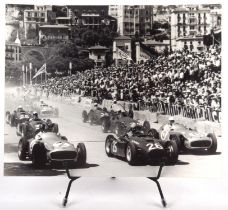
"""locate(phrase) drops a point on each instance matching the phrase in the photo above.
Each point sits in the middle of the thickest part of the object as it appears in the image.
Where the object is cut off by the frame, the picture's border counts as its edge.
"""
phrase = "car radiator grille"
(61, 155)
(201, 144)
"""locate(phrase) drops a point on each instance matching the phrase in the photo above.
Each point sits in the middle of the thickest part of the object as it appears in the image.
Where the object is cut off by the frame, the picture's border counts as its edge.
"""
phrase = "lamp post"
(23, 75)
(26, 76)
(30, 72)
(70, 68)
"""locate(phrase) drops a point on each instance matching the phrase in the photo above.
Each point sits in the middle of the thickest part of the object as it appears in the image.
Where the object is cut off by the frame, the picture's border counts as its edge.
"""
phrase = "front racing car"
(49, 147)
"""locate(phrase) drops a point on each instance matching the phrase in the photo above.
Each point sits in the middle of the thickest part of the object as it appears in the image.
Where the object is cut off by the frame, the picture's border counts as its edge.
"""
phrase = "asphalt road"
(98, 164)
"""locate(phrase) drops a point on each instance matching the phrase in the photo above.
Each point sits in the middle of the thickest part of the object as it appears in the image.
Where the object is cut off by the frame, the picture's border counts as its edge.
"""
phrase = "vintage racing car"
(32, 127)
(49, 147)
(186, 139)
(44, 110)
(115, 122)
(141, 147)
(17, 116)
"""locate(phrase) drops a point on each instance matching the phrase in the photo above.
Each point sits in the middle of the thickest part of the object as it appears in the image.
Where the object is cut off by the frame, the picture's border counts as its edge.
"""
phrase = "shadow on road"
(199, 153)
(27, 169)
(22, 169)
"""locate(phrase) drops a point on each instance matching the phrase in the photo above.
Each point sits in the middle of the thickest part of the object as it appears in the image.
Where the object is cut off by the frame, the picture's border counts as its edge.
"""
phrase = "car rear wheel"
(131, 154)
(84, 116)
(81, 160)
(213, 147)
(39, 156)
(108, 144)
(105, 125)
(177, 140)
(55, 128)
(172, 152)
(22, 150)
(119, 129)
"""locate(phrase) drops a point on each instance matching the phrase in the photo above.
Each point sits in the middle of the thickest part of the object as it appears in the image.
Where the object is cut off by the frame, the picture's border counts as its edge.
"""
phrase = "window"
(184, 29)
(199, 42)
(199, 29)
(192, 27)
(29, 14)
(98, 56)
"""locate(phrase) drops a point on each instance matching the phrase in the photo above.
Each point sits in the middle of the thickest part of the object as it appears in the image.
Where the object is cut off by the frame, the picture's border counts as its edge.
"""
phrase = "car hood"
(53, 141)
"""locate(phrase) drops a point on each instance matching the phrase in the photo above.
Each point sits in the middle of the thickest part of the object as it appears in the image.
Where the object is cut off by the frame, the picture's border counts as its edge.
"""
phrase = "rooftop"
(98, 47)
(53, 26)
(123, 38)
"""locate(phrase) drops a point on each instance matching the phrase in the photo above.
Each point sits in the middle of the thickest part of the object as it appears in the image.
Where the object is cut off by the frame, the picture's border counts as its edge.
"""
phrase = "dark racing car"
(48, 147)
(115, 122)
(141, 147)
(17, 116)
(32, 127)
(187, 139)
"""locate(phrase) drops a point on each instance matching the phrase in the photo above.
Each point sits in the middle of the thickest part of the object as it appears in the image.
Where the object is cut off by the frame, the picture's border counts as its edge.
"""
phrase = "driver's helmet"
(133, 125)
(171, 119)
(49, 122)
(35, 115)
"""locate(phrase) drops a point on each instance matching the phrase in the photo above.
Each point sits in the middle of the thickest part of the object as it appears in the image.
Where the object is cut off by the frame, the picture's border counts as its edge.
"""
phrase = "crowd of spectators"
(184, 78)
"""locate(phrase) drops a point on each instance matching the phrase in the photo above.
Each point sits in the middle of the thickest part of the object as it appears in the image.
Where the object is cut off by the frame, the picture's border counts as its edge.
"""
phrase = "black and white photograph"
(113, 91)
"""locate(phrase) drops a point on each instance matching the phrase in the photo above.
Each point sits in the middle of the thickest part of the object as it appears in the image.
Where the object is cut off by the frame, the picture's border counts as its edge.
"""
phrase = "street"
(98, 163)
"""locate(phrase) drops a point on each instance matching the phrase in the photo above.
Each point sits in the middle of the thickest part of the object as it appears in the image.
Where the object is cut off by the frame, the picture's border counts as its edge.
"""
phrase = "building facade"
(40, 15)
(98, 55)
(188, 26)
(133, 19)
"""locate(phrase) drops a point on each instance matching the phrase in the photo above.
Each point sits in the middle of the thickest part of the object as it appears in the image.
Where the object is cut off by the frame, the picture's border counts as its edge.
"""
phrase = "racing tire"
(108, 143)
(146, 126)
(55, 128)
(22, 149)
(24, 132)
(213, 148)
(119, 130)
(105, 125)
(130, 154)
(12, 121)
(84, 116)
(39, 156)
(19, 129)
(172, 152)
(91, 117)
(7, 117)
(81, 160)
(153, 133)
(177, 140)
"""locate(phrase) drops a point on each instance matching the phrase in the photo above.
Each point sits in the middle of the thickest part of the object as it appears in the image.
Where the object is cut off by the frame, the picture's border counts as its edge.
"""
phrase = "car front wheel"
(131, 154)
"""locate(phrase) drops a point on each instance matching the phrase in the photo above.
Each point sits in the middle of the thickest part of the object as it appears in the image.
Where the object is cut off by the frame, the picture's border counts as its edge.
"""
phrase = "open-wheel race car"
(141, 147)
(49, 147)
(32, 127)
(44, 110)
(17, 116)
(186, 139)
(115, 122)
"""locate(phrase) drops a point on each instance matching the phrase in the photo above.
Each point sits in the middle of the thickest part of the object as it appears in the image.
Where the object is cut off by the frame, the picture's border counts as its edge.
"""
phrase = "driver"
(170, 125)
(20, 109)
(35, 117)
(134, 130)
(48, 125)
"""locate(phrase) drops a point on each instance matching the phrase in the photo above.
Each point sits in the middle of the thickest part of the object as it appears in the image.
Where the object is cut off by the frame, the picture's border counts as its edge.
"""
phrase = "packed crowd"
(183, 78)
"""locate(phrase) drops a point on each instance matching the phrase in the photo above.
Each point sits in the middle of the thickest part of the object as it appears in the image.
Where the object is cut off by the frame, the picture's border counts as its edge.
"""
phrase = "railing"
(199, 112)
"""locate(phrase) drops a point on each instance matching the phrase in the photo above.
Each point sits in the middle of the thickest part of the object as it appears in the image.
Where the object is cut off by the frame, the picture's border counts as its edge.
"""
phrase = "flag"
(144, 55)
(123, 54)
(41, 71)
